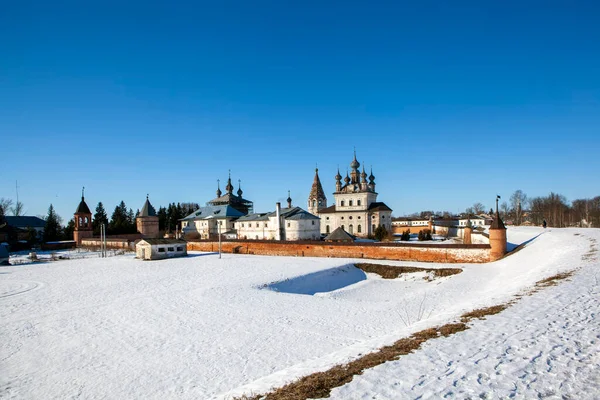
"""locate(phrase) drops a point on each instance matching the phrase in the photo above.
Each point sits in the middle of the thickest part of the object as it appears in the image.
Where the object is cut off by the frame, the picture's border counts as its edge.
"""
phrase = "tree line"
(122, 220)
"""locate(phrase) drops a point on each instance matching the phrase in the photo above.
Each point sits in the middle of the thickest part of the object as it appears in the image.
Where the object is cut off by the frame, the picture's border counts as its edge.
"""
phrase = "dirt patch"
(393, 272)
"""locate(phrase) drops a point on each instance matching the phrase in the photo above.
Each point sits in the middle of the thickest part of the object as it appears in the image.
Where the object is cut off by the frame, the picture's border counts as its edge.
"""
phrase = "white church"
(355, 209)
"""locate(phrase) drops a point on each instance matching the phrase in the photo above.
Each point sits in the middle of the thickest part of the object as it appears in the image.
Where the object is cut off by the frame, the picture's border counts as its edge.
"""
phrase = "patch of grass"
(393, 272)
(554, 279)
(320, 384)
(481, 313)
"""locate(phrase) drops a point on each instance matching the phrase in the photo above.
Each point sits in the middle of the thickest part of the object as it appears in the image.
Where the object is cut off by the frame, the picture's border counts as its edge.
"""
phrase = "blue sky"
(450, 102)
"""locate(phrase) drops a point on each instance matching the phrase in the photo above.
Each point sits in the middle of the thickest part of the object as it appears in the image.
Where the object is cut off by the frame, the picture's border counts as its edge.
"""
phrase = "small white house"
(158, 249)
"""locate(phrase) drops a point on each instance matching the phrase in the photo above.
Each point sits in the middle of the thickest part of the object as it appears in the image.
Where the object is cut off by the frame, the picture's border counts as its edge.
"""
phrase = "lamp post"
(219, 231)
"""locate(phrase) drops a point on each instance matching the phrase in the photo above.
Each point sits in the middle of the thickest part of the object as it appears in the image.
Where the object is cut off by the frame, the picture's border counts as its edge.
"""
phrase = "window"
(313, 222)
(342, 218)
(327, 229)
(343, 227)
(289, 224)
(265, 224)
(314, 203)
(350, 217)
(358, 217)
(161, 249)
(180, 248)
(242, 224)
(171, 249)
(350, 203)
(358, 202)
(327, 218)
(351, 229)
(358, 229)
(342, 203)
(320, 202)
(257, 224)
(383, 216)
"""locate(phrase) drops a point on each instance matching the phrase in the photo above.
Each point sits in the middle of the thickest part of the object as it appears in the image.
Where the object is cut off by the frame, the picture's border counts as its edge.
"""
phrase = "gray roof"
(25, 222)
(294, 213)
(147, 210)
(339, 235)
(254, 217)
(163, 241)
(224, 211)
(83, 208)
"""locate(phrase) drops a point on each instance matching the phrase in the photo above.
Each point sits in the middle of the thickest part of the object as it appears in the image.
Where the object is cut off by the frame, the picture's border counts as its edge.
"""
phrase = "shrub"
(424, 234)
(380, 233)
(405, 235)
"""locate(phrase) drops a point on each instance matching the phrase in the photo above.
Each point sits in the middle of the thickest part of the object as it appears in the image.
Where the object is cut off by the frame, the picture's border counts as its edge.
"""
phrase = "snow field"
(201, 327)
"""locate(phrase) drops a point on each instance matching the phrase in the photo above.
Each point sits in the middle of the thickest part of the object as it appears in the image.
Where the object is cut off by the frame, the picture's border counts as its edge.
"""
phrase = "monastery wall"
(445, 253)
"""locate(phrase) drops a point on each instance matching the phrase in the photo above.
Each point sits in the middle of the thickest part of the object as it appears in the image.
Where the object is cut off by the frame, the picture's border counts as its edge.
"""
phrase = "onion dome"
(363, 175)
(371, 177)
(229, 187)
(239, 192)
(347, 178)
(338, 177)
(289, 200)
(219, 193)
(354, 164)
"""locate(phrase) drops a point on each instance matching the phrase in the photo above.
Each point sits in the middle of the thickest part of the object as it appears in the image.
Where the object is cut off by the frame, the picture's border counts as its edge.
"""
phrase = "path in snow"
(545, 346)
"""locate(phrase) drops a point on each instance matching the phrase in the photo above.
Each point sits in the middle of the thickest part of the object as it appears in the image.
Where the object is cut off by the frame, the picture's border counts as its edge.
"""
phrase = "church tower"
(83, 222)
(316, 198)
(147, 221)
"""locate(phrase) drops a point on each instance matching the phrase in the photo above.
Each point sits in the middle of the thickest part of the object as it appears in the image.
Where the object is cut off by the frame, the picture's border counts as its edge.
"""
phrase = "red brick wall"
(456, 253)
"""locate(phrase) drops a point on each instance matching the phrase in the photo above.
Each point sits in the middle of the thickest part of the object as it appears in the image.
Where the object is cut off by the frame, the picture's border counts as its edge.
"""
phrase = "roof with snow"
(207, 212)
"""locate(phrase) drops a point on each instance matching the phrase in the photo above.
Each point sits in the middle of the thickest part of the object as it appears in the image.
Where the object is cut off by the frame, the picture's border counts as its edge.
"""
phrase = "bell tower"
(83, 221)
(316, 198)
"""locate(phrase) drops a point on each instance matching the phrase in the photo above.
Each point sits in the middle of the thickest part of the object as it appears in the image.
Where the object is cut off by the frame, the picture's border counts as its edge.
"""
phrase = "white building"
(217, 216)
(355, 208)
(158, 249)
(291, 223)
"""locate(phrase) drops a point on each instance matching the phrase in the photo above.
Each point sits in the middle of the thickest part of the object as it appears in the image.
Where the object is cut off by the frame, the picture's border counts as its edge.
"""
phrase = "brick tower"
(497, 236)
(147, 221)
(83, 221)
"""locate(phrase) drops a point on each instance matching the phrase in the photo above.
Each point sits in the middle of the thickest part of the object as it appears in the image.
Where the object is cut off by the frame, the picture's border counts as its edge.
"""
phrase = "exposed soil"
(393, 272)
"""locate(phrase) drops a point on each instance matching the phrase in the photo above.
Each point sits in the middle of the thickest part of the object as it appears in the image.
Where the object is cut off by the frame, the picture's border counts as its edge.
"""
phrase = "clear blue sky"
(450, 102)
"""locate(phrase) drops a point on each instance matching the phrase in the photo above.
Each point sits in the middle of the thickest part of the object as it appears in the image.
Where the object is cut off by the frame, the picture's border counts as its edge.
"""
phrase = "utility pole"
(219, 230)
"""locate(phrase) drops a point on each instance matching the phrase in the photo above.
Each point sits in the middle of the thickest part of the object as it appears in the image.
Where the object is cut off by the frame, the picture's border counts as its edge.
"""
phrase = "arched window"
(343, 227)
(342, 203)
(351, 229)
(320, 202)
(327, 229)
(350, 203)
(314, 203)
(358, 202)
(358, 229)
(80, 221)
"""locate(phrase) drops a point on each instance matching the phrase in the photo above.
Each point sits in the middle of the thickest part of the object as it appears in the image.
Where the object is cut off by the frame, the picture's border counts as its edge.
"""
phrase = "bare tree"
(6, 204)
(478, 208)
(18, 209)
(504, 210)
(518, 202)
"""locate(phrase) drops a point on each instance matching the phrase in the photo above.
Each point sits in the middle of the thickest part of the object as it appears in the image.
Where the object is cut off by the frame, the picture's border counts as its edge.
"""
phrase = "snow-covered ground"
(203, 327)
